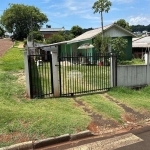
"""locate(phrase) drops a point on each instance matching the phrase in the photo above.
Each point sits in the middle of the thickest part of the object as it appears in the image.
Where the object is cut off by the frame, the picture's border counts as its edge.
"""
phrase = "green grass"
(16, 43)
(43, 118)
(12, 60)
(92, 78)
(135, 61)
(138, 100)
(103, 106)
(36, 118)
(33, 119)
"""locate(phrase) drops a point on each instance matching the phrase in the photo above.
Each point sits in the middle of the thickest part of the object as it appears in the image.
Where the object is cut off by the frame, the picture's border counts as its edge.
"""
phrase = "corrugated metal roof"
(92, 33)
(88, 35)
(51, 29)
(48, 45)
(141, 42)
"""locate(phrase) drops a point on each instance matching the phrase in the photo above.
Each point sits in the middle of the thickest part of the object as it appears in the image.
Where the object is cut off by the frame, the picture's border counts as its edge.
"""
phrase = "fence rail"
(84, 74)
(77, 74)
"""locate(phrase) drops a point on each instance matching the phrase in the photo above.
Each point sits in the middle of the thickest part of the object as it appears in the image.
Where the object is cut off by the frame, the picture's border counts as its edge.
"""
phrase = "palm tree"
(101, 6)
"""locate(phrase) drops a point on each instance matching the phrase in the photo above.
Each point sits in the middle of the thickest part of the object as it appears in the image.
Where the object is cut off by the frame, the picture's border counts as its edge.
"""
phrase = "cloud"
(75, 5)
(90, 17)
(115, 9)
(46, 1)
(122, 1)
(141, 19)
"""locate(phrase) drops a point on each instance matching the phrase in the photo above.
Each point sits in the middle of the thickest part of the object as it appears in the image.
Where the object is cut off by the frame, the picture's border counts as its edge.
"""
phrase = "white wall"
(115, 32)
(132, 75)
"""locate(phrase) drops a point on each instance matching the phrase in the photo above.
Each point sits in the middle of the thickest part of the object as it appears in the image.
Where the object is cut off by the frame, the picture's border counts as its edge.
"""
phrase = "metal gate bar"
(41, 80)
(85, 74)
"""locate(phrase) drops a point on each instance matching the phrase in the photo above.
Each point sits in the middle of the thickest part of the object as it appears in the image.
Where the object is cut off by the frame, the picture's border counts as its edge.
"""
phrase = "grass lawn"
(22, 119)
(138, 100)
(102, 106)
(89, 78)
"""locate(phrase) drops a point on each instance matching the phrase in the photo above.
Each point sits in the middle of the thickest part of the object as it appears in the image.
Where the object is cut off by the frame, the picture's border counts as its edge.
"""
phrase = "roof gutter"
(70, 42)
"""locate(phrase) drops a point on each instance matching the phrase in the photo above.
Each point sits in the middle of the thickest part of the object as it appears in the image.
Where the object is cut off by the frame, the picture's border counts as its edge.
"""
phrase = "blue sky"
(68, 13)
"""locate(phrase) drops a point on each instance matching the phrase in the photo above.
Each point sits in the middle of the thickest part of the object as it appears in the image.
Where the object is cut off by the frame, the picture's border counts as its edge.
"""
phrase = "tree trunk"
(102, 23)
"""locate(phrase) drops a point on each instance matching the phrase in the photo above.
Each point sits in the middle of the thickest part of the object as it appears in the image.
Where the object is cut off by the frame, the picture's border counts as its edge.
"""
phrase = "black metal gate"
(40, 75)
(84, 73)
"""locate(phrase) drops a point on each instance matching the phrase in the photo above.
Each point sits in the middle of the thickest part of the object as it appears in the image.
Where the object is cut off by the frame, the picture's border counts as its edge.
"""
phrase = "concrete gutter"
(30, 145)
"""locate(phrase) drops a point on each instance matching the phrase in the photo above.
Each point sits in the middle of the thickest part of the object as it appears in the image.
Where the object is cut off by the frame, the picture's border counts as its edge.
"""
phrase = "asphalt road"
(143, 145)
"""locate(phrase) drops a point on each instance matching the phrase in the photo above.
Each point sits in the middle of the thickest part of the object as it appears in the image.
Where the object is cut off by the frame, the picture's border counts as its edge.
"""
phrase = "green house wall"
(128, 50)
(68, 48)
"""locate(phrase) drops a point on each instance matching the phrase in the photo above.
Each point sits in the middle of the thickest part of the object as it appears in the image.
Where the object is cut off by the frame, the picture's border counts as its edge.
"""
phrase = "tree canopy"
(55, 38)
(59, 37)
(102, 44)
(101, 6)
(124, 24)
(20, 19)
(76, 31)
(119, 44)
(36, 36)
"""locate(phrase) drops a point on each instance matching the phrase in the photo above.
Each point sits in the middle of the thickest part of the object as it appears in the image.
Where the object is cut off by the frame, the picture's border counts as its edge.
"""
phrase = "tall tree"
(124, 24)
(76, 31)
(20, 19)
(101, 6)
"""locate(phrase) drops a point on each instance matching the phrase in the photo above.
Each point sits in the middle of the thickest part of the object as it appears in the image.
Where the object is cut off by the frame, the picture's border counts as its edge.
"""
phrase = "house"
(48, 31)
(140, 46)
(112, 30)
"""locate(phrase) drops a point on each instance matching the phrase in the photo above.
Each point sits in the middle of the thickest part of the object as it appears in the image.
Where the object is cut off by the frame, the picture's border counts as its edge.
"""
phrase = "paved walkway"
(110, 144)
(21, 45)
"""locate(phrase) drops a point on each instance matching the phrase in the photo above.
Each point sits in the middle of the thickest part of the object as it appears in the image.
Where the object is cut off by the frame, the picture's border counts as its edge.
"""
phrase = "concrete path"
(135, 140)
(21, 45)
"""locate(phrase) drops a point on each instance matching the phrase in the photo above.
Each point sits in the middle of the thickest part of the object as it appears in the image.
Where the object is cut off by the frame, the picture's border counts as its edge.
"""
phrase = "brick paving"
(5, 44)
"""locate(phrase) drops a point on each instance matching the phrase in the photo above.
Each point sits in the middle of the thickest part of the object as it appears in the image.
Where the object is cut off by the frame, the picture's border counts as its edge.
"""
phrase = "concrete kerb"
(49, 141)
(80, 135)
(20, 146)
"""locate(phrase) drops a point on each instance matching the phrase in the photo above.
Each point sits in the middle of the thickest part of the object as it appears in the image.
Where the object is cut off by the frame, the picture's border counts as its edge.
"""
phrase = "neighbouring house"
(48, 31)
(71, 47)
(112, 30)
(140, 46)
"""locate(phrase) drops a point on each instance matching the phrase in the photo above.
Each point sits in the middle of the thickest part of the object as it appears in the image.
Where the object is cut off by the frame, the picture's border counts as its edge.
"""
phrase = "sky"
(68, 13)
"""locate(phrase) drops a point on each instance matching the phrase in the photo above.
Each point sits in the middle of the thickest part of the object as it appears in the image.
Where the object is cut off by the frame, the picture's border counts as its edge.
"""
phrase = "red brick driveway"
(5, 44)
